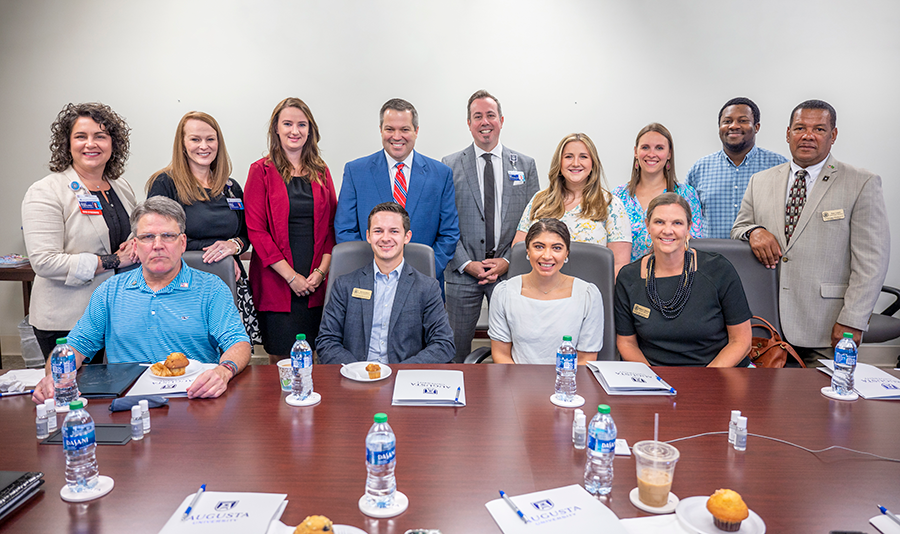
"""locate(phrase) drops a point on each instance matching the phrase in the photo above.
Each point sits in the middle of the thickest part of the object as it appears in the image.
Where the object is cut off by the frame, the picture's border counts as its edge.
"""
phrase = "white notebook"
(555, 511)
(629, 378)
(225, 513)
(429, 388)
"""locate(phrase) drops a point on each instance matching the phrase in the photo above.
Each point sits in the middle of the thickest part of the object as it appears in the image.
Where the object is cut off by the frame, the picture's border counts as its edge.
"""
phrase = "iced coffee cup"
(655, 463)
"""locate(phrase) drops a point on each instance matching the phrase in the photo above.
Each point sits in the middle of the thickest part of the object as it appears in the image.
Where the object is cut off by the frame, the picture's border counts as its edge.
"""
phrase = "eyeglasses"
(149, 239)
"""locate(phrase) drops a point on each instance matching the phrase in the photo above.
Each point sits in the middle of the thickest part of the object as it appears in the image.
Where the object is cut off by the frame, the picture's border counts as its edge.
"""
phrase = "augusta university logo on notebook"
(224, 506)
(430, 388)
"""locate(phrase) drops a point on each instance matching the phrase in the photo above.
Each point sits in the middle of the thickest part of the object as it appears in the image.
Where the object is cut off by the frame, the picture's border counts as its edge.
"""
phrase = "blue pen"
(458, 391)
(513, 505)
(193, 502)
(671, 389)
(888, 513)
(14, 393)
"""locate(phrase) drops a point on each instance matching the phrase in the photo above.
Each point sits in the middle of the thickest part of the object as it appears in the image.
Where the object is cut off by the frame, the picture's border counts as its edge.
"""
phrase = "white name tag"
(235, 203)
(89, 204)
(516, 177)
(833, 215)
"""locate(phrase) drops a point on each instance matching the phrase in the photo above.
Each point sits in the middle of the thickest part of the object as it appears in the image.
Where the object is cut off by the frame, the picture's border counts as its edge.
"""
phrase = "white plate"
(357, 371)
(193, 368)
(277, 527)
(693, 514)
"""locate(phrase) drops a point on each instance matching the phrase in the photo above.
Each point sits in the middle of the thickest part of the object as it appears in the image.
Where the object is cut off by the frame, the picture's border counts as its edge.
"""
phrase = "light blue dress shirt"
(385, 290)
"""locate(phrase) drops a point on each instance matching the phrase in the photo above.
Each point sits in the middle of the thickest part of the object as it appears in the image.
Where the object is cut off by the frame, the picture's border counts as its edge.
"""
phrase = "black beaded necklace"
(671, 308)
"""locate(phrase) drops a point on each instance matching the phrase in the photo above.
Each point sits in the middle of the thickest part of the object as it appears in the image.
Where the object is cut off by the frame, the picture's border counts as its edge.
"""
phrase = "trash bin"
(31, 351)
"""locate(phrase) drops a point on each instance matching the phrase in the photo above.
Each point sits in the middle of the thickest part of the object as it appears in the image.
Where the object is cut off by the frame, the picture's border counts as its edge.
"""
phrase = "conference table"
(451, 461)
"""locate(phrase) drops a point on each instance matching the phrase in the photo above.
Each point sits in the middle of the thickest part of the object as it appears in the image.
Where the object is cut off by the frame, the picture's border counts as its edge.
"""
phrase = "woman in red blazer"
(289, 205)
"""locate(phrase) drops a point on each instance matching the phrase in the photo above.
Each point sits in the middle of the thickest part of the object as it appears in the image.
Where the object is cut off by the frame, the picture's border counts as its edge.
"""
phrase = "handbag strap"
(773, 334)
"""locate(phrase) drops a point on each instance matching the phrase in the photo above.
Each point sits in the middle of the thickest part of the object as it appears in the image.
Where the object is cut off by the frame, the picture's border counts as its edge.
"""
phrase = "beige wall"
(602, 67)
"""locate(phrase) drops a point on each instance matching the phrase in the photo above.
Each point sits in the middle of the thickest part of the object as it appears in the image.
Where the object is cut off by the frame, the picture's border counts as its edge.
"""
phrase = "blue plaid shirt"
(720, 185)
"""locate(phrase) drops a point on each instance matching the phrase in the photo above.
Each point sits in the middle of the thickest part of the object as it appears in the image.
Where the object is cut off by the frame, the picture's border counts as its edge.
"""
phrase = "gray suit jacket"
(470, 206)
(836, 262)
(419, 331)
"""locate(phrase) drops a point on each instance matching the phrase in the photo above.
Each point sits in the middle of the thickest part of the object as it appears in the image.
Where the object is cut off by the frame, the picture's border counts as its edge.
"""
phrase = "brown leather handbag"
(770, 351)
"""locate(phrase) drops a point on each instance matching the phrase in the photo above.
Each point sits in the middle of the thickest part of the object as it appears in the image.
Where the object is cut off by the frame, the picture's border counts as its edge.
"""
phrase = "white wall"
(602, 67)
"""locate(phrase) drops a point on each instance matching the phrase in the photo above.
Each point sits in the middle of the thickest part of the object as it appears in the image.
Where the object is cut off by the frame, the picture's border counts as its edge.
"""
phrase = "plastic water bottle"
(566, 358)
(80, 445)
(598, 470)
(380, 463)
(844, 365)
(301, 363)
(62, 365)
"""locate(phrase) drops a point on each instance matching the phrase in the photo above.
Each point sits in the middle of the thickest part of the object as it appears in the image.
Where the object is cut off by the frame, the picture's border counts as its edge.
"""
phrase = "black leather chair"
(223, 269)
(350, 256)
(884, 326)
(592, 263)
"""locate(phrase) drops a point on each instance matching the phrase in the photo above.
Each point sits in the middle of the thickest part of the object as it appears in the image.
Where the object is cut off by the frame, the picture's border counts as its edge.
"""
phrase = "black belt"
(489, 254)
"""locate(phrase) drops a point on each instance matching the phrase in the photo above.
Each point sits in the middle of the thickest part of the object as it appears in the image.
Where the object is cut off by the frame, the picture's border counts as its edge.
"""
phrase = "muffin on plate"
(314, 524)
(374, 371)
(728, 510)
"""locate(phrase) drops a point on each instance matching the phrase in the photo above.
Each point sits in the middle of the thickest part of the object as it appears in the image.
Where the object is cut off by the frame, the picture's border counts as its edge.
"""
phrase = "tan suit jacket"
(834, 267)
(63, 245)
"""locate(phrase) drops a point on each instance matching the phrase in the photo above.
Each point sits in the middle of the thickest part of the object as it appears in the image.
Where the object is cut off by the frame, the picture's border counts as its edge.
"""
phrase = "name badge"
(235, 203)
(641, 311)
(833, 215)
(89, 204)
(516, 177)
(359, 293)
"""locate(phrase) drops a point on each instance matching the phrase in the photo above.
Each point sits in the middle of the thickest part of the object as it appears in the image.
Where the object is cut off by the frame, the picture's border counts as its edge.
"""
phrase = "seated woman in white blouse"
(531, 313)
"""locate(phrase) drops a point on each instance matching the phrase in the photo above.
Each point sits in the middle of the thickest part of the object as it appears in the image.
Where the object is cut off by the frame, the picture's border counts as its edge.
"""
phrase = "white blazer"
(63, 245)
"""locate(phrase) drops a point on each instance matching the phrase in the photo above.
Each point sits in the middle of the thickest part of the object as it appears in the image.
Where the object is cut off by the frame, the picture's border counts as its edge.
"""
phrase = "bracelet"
(231, 366)
(319, 271)
(109, 261)
(292, 279)
(237, 242)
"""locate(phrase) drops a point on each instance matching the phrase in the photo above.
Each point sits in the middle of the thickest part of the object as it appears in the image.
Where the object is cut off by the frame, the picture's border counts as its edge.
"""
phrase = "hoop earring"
(566, 261)
(527, 257)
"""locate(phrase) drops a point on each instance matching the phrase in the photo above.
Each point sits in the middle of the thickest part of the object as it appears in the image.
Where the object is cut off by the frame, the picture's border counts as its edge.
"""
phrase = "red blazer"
(267, 208)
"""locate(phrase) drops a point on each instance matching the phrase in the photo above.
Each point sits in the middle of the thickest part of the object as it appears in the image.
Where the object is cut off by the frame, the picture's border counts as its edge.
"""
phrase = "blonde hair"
(309, 156)
(594, 197)
(668, 168)
(187, 188)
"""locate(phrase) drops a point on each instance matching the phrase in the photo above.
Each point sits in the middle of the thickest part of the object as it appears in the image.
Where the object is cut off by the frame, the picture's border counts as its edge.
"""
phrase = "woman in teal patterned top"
(654, 174)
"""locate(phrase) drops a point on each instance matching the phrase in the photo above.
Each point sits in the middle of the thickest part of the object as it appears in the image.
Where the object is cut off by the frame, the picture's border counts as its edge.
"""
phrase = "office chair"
(884, 326)
(350, 256)
(223, 269)
(592, 263)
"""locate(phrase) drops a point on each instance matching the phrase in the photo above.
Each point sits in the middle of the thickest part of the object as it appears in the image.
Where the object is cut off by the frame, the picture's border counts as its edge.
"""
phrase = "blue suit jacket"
(431, 203)
(419, 331)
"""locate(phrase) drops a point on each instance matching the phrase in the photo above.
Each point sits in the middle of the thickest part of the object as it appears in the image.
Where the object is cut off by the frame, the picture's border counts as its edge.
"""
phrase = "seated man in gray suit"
(825, 223)
(493, 185)
(386, 312)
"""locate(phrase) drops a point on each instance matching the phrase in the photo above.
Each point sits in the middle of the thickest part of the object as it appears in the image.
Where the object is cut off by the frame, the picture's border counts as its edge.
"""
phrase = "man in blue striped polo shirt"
(721, 178)
(163, 307)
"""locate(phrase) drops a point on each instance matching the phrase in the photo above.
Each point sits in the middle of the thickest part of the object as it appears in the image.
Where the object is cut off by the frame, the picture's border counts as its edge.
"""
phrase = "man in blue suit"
(423, 186)
(386, 312)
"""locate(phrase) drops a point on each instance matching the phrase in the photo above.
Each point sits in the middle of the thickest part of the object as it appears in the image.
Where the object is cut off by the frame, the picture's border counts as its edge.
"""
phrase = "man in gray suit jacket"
(485, 240)
(386, 312)
(825, 223)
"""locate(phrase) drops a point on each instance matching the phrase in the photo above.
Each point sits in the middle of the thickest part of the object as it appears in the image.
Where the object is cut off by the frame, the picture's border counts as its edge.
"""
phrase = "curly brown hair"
(115, 126)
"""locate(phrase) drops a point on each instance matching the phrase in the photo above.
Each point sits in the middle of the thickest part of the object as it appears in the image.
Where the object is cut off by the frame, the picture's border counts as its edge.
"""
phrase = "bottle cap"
(578, 411)
(76, 405)
(848, 334)
(50, 403)
(135, 411)
(603, 408)
(61, 341)
(143, 404)
(301, 337)
(742, 423)
(734, 415)
(567, 338)
(381, 418)
(41, 410)
(579, 419)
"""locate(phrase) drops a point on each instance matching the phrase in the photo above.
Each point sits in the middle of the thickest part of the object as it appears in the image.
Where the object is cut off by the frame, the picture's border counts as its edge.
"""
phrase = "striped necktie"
(400, 186)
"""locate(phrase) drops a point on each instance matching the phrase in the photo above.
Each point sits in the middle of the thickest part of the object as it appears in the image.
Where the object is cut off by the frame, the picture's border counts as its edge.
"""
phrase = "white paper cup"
(285, 374)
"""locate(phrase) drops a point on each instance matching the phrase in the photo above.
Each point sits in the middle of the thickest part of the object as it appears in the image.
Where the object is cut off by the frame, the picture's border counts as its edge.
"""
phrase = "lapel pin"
(74, 186)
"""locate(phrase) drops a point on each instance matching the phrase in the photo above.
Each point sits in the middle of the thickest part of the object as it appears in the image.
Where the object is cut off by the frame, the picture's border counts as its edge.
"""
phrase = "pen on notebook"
(458, 391)
(513, 506)
(888, 513)
(671, 389)
(193, 502)
(15, 393)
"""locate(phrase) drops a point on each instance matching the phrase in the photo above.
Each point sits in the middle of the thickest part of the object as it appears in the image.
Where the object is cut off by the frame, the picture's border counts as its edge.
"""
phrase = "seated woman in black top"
(199, 179)
(677, 305)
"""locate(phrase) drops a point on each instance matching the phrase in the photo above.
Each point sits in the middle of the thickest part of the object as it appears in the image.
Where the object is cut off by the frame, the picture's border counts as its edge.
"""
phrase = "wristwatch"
(109, 261)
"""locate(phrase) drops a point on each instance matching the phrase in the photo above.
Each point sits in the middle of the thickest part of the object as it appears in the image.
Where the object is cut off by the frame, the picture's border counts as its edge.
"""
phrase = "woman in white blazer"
(76, 220)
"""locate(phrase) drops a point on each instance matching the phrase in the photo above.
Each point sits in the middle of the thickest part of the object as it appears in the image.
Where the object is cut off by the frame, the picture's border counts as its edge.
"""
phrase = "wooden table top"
(451, 461)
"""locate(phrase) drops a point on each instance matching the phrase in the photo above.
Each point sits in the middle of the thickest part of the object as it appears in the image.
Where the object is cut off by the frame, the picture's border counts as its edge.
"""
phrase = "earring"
(687, 244)
(668, 166)
(566, 261)
(636, 166)
(527, 257)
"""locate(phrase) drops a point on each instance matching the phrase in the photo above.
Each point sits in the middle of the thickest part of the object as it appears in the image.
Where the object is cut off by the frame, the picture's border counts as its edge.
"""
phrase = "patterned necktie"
(795, 204)
(400, 186)
(489, 193)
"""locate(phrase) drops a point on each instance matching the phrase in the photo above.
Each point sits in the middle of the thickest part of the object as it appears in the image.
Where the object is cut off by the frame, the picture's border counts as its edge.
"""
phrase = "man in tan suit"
(825, 223)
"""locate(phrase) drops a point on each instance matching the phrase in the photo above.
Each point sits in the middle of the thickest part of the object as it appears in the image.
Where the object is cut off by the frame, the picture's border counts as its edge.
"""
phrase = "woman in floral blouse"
(578, 198)
(653, 174)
